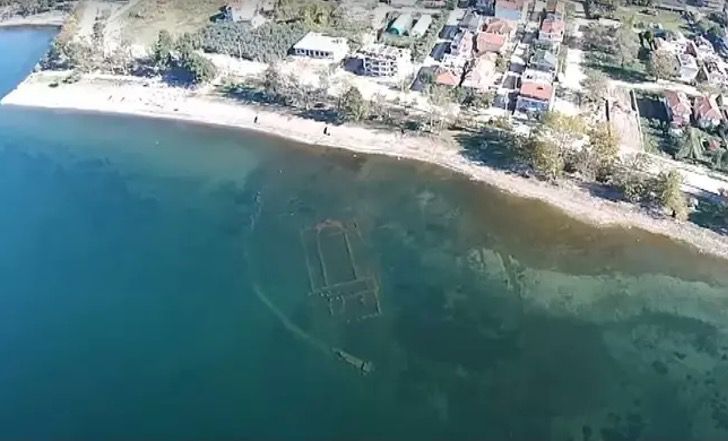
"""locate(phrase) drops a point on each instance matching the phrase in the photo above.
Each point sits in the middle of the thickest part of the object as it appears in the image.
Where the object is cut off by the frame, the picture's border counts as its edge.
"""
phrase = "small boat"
(363, 365)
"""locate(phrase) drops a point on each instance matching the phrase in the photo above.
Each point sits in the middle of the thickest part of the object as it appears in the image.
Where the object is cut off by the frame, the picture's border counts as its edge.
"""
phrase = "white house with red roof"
(551, 33)
(706, 112)
(534, 97)
(678, 108)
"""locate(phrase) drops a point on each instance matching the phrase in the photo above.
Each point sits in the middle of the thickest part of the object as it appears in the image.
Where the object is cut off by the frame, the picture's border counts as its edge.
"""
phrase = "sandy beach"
(53, 19)
(152, 98)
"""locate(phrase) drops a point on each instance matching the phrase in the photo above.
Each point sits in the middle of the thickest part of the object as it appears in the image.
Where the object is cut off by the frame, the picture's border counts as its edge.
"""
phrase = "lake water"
(161, 280)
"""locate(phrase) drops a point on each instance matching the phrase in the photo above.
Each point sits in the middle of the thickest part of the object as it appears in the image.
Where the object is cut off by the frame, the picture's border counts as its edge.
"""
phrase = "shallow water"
(156, 280)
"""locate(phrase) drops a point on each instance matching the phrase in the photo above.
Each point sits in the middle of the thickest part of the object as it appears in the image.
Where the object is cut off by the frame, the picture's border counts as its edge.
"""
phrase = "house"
(555, 9)
(448, 77)
(462, 44)
(486, 42)
(454, 61)
(534, 97)
(539, 76)
(678, 109)
(484, 7)
(722, 101)
(420, 28)
(712, 72)
(315, 45)
(501, 27)
(403, 3)
(401, 25)
(267, 7)
(471, 22)
(512, 10)
(434, 4)
(481, 75)
(688, 67)
(384, 61)
(706, 112)
(240, 11)
(551, 32)
(543, 60)
(711, 5)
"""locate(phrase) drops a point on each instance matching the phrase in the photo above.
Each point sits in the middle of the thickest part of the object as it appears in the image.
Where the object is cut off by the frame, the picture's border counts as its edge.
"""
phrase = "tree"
(720, 159)
(437, 97)
(598, 158)
(353, 105)
(596, 85)
(716, 32)
(273, 82)
(545, 157)
(557, 136)
(627, 47)
(662, 64)
(564, 130)
(670, 195)
(162, 51)
(691, 146)
(200, 68)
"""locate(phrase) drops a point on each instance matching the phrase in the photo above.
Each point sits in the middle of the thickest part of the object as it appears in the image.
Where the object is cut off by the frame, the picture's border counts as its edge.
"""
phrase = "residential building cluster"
(537, 82)
(704, 111)
(696, 60)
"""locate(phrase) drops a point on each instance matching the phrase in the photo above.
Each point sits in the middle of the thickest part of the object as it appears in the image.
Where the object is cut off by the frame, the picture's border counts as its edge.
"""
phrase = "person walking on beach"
(326, 130)
(255, 120)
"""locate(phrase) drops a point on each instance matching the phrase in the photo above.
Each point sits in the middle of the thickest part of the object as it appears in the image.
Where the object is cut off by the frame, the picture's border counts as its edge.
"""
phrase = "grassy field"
(146, 18)
(670, 21)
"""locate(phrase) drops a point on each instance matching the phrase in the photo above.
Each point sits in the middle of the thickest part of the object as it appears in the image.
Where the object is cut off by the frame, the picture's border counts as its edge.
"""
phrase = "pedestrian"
(255, 121)
(326, 130)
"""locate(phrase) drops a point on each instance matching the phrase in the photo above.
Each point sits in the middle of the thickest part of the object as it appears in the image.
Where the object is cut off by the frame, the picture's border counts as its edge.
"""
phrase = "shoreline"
(48, 19)
(153, 99)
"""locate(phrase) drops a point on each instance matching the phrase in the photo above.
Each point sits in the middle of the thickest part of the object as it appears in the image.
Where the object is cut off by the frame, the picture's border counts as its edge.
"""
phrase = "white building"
(420, 28)
(385, 61)
(315, 45)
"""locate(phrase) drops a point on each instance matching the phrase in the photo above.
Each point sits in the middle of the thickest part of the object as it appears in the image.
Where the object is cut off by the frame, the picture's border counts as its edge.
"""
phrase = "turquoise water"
(156, 279)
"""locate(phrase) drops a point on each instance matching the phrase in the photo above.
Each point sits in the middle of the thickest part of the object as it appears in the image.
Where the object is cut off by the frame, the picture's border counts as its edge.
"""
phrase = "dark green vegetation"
(271, 41)
(30, 7)
(267, 43)
(169, 56)
(707, 147)
(614, 51)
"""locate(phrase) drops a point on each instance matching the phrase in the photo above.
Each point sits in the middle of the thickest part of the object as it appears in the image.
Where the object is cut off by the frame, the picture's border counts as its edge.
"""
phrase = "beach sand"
(53, 19)
(152, 98)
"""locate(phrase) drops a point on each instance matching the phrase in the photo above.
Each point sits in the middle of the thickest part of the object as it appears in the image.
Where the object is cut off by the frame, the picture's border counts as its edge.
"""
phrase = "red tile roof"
(499, 27)
(552, 26)
(515, 5)
(705, 107)
(487, 42)
(677, 101)
(447, 77)
(537, 91)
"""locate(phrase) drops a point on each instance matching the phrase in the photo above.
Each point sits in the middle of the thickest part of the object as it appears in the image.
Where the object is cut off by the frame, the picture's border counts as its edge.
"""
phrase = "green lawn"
(671, 21)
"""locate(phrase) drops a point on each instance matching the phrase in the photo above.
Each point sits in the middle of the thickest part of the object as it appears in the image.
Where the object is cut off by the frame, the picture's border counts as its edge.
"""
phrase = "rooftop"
(487, 42)
(687, 60)
(552, 25)
(498, 26)
(384, 51)
(447, 77)
(706, 107)
(539, 91)
(515, 5)
(677, 101)
(544, 56)
(320, 42)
